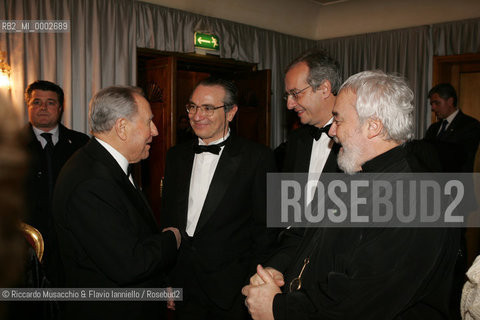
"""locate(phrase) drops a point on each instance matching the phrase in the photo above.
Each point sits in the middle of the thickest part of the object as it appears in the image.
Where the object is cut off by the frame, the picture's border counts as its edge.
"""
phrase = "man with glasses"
(374, 272)
(311, 83)
(214, 192)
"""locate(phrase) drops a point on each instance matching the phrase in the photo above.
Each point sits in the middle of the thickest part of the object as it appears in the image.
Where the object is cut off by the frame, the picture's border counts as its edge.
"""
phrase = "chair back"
(34, 238)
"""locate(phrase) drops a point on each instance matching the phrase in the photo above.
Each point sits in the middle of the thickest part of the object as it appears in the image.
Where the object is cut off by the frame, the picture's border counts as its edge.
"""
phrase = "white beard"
(348, 159)
(349, 156)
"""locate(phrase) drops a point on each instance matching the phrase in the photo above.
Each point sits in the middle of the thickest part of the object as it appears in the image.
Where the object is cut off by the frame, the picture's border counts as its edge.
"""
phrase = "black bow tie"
(317, 132)
(212, 148)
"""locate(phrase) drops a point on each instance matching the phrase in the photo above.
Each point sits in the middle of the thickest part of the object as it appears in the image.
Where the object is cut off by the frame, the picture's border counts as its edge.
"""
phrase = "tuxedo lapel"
(303, 152)
(228, 164)
(182, 181)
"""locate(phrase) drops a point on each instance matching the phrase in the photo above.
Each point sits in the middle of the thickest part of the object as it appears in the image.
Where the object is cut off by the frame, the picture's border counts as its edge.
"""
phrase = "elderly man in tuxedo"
(106, 230)
(311, 84)
(215, 190)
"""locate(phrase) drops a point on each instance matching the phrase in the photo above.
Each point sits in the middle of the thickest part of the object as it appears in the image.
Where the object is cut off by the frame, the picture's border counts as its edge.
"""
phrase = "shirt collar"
(121, 160)
(54, 132)
(451, 117)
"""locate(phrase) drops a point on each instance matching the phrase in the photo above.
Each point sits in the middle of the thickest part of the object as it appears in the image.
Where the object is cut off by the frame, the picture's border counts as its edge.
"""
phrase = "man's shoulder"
(27, 135)
(248, 143)
(182, 147)
(89, 161)
(434, 125)
(302, 132)
(74, 136)
(468, 120)
(432, 130)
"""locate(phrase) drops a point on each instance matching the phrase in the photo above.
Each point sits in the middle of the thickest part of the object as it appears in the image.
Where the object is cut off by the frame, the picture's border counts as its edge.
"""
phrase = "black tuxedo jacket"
(299, 150)
(230, 237)
(107, 235)
(39, 209)
(458, 146)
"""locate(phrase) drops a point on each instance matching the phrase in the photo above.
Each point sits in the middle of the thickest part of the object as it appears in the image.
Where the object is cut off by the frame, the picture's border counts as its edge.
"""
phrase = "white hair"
(386, 98)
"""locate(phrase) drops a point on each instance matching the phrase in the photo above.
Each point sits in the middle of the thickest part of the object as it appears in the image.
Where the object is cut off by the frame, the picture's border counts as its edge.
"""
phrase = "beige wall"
(307, 19)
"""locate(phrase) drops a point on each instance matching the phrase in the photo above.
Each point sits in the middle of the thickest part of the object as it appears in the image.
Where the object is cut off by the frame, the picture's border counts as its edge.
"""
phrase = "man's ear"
(231, 113)
(375, 128)
(450, 101)
(121, 128)
(326, 88)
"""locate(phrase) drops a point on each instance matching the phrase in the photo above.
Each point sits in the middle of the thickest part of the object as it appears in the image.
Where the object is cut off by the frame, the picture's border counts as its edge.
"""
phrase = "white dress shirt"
(320, 151)
(42, 140)
(204, 165)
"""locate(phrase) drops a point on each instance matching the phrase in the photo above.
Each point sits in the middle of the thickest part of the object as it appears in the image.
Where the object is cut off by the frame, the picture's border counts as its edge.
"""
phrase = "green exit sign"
(206, 41)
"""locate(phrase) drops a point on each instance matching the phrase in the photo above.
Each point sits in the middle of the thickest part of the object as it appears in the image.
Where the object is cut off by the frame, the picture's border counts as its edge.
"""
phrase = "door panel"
(468, 97)
(253, 116)
(158, 78)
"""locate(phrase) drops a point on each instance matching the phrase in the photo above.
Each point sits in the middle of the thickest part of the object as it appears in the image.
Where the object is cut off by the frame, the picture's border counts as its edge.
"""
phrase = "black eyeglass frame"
(294, 94)
(206, 109)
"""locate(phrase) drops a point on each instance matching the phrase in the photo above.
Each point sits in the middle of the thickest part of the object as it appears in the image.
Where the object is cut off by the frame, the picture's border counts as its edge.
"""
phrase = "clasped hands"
(263, 287)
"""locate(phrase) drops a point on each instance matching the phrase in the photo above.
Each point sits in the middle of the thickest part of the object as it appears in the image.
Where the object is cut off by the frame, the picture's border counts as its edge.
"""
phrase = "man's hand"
(175, 231)
(259, 300)
(255, 280)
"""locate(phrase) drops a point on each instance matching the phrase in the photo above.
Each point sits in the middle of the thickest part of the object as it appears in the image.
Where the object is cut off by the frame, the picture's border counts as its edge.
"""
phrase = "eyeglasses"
(207, 110)
(296, 283)
(294, 94)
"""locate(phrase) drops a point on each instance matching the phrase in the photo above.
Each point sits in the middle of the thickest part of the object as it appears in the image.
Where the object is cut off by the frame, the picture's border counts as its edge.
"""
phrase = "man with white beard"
(362, 272)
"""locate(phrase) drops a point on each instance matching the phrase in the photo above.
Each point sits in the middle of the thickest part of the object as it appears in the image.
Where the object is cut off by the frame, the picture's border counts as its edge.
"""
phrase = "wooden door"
(157, 78)
(253, 116)
(463, 72)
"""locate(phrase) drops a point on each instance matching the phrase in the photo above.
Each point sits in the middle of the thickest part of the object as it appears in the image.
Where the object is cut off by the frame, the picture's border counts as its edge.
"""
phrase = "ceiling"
(311, 20)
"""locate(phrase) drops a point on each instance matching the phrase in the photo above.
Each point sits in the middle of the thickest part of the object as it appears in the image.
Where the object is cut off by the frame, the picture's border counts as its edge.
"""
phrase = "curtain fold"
(100, 50)
(103, 50)
(456, 37)
(405, 52)
(35, 56)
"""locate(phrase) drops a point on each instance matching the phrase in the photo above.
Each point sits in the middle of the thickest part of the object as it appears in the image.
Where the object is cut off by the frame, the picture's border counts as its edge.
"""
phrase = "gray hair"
(386, 98)
(231, 91)
(321, 67)
(110, 104)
